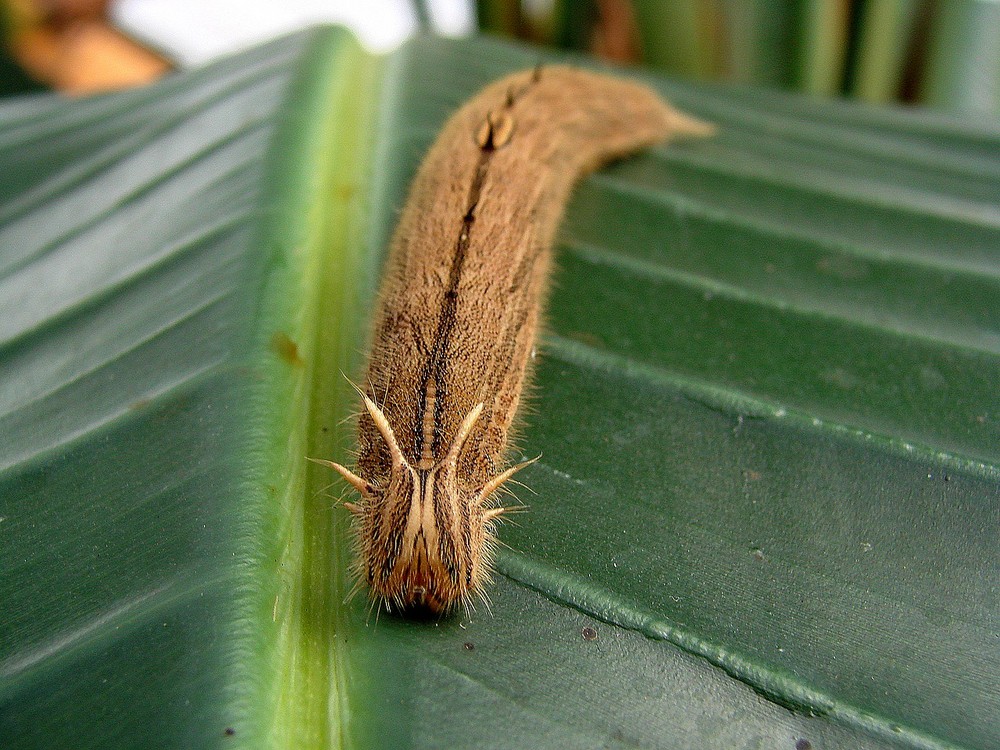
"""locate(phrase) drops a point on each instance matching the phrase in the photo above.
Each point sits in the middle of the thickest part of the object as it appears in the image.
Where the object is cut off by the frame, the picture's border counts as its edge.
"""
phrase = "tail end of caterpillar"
(425, 539)
(684, 125)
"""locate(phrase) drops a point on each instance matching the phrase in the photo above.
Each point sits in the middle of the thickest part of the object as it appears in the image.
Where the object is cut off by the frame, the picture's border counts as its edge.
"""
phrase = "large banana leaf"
(767, 509)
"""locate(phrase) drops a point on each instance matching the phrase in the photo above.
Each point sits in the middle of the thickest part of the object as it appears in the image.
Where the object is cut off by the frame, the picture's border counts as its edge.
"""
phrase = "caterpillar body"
(457, 317)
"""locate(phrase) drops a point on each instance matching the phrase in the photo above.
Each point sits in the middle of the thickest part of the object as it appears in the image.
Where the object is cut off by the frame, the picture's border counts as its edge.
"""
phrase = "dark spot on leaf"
(285, 348)
(469, 646)
(229, 732)
(589, 634)
(803, 744)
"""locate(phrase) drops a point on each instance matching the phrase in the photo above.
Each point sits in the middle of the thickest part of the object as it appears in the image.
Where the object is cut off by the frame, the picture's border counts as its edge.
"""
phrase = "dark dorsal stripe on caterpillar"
(457, 316)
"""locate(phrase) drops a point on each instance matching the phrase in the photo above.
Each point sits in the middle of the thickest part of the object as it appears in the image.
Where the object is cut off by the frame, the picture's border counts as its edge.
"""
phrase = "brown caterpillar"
(456, 321)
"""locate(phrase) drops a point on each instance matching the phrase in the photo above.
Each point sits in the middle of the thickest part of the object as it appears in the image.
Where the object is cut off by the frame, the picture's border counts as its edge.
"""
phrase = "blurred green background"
(940, 53)
(944, 54)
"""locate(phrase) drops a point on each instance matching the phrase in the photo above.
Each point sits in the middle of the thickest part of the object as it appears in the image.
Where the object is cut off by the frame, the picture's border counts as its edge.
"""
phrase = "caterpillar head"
(425, 539)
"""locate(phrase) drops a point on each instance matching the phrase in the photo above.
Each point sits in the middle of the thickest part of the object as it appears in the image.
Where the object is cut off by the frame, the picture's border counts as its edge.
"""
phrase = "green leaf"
(885, 32)
(825, 27)
(963, 58)
(160, 252)
(677, 37)
(756, 40)
(767, 505)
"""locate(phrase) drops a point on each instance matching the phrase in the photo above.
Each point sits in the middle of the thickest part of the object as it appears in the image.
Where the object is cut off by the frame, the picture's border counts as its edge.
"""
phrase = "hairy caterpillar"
(456, 321)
